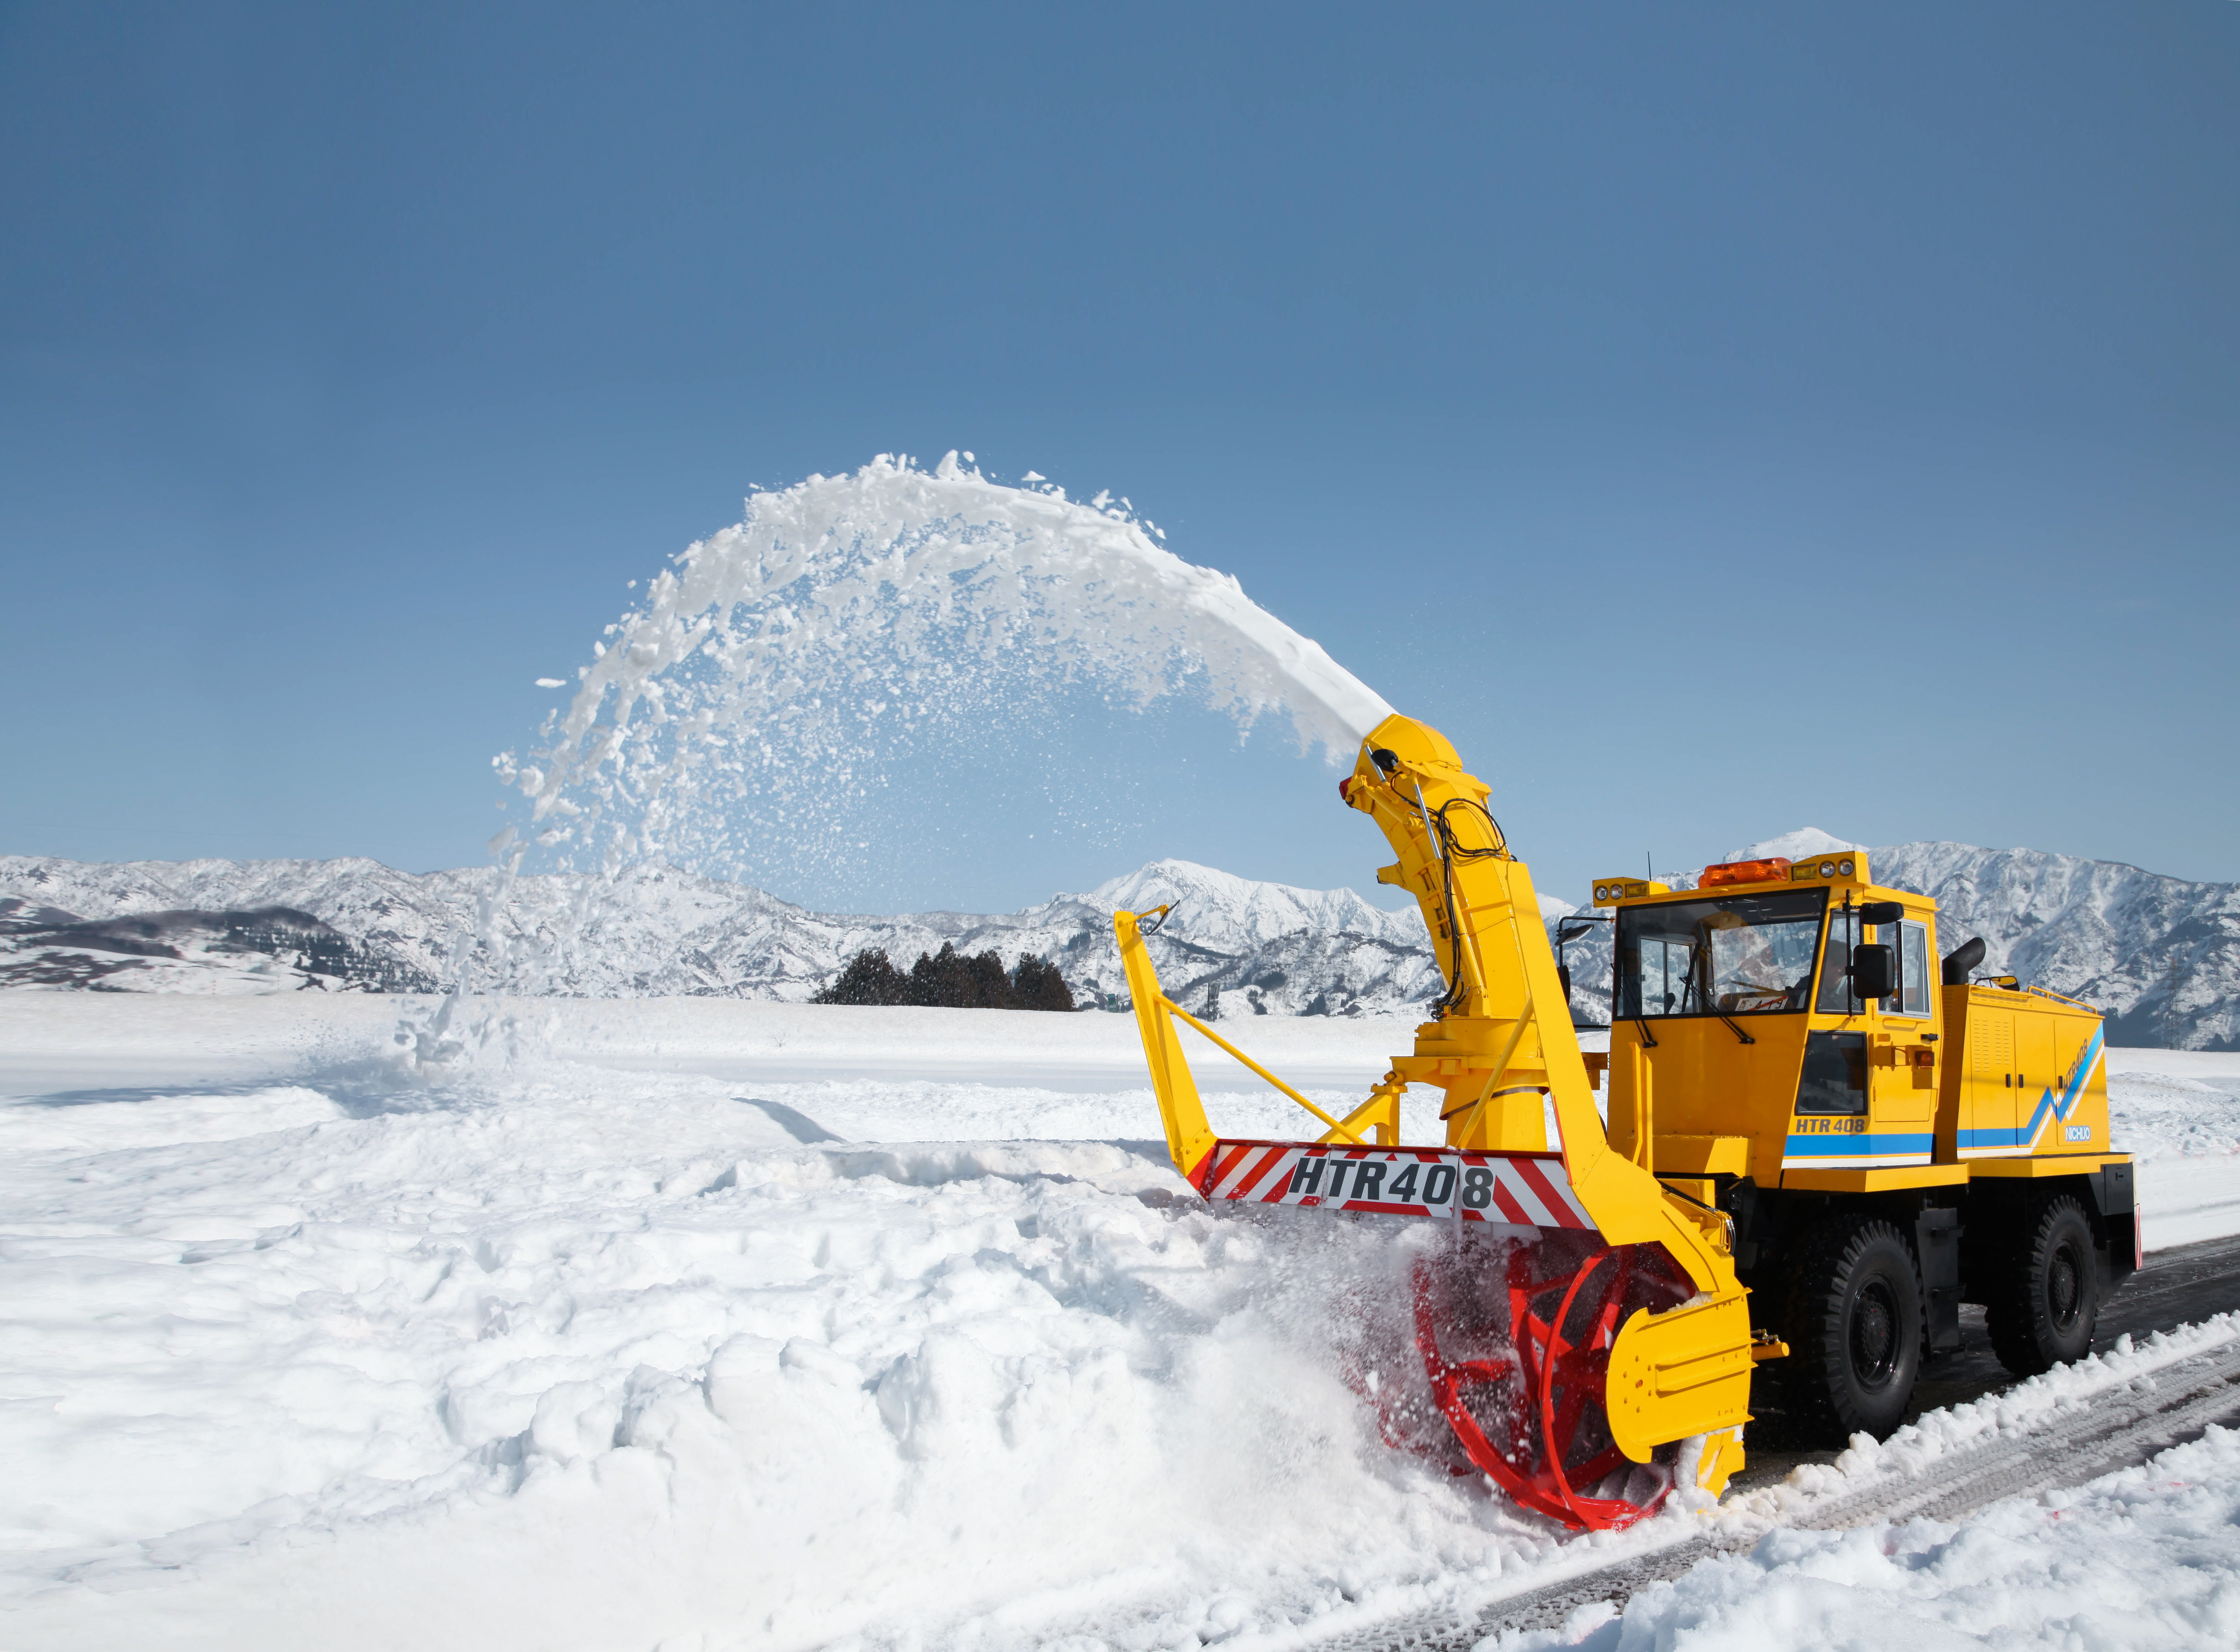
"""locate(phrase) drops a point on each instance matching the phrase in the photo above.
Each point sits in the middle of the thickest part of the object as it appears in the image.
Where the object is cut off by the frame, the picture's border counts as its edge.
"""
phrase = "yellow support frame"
(1189, 1137)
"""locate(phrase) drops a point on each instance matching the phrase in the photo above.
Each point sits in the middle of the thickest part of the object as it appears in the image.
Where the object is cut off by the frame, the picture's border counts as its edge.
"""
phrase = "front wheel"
(1854, 1322)
(2046, 1302)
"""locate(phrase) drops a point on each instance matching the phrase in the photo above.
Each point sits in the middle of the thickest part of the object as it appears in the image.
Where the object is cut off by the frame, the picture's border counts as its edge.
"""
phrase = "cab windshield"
(1735, 955)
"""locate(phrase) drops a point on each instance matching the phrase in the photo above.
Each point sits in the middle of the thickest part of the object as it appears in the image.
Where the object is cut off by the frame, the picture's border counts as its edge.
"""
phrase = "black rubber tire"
(1852, 1317)
(2045, 1300)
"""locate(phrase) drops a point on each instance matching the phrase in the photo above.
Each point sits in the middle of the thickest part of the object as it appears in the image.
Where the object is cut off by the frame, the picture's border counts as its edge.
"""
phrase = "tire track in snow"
(2181, 1400)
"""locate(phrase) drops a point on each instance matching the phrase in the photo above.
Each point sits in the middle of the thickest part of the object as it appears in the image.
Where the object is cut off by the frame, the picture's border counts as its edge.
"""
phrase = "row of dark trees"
(950, 980)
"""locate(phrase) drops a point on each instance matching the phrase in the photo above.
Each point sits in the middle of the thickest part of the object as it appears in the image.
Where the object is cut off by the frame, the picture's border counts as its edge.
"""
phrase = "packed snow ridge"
(2159, 954)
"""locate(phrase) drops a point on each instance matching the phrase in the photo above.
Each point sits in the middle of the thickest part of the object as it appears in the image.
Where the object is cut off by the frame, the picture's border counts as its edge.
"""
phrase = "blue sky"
(1718, 419)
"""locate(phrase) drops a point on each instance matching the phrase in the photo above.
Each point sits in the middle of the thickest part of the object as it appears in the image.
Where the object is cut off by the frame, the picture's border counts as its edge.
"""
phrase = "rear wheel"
(2045, 1301)
(1854, 1324)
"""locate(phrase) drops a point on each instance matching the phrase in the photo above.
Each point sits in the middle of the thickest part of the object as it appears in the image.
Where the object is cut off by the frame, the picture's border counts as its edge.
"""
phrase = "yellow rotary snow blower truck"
(1820, 1143)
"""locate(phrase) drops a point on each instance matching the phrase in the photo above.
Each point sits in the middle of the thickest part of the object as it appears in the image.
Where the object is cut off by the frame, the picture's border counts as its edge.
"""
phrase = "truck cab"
(1789, 1043)
(1735, 1008)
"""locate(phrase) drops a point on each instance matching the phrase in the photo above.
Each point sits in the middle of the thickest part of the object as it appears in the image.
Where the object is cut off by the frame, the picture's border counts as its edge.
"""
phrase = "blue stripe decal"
(2050, 1107)
(2051, 1110)
(1990, 1138)
(1855, 1147)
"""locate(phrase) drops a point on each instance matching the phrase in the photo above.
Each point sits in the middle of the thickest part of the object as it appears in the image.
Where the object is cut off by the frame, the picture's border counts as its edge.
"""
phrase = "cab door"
(1905, 1097)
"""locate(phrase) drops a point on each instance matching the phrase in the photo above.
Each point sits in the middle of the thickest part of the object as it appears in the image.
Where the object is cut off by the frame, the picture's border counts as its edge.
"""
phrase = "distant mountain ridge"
(2160, 957)
(2159, 954)
(264, 950)
(1234, 945)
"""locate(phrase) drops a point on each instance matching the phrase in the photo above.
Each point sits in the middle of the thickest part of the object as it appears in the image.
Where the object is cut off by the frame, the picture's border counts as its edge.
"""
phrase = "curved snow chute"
(1571, 1367)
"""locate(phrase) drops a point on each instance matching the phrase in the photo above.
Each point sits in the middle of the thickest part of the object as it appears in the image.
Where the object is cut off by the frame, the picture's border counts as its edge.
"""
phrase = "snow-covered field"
(715, 1324)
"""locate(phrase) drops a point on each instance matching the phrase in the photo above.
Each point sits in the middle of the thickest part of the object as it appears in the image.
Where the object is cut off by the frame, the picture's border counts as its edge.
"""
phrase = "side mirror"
(1874, 970)
(1881, 912)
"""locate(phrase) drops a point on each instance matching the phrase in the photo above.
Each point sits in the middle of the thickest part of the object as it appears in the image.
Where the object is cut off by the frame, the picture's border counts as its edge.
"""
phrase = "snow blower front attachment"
(1585, 1323)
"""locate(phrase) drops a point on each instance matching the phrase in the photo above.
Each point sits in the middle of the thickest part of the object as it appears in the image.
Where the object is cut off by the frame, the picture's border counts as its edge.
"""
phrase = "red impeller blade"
(1518, 1372)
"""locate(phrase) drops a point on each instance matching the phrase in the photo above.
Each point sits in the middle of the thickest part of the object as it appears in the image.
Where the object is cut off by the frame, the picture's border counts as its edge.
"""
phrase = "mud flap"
(1937, 1235)
(2122, 1251)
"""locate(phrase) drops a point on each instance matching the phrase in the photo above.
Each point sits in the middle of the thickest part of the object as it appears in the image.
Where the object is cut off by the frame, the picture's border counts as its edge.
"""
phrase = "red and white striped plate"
(1518, 1189)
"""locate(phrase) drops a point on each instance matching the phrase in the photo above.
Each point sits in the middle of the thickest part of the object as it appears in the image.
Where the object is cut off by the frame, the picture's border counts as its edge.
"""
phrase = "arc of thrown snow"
(1087, 584)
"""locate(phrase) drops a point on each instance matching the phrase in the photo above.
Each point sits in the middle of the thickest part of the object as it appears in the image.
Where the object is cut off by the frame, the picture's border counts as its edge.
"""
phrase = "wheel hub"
(1874, 1335)
(2062, 1295)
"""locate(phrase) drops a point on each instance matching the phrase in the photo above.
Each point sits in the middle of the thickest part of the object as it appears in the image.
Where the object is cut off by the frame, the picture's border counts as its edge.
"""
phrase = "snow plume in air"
(779, 663)
(744, 719)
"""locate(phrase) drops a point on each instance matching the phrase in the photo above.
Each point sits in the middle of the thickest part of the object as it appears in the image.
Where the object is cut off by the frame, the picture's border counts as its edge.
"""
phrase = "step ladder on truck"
(1821, 1142)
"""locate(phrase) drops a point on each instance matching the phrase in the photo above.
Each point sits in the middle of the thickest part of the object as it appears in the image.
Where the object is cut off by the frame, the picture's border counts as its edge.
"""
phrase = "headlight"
(1847, 868)
(1827, 869)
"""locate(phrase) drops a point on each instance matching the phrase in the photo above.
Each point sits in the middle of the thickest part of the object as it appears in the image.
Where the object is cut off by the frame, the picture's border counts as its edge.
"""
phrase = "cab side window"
(1910, 942)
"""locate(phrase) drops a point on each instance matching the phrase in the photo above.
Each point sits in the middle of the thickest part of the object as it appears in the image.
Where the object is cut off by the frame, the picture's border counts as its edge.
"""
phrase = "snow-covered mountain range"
(2160, 956)
(655, 932)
